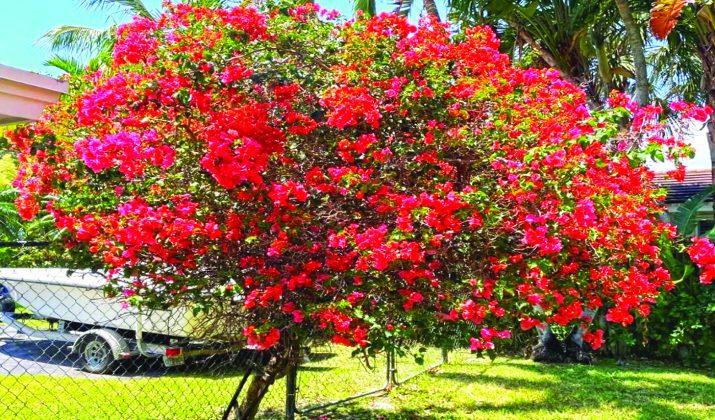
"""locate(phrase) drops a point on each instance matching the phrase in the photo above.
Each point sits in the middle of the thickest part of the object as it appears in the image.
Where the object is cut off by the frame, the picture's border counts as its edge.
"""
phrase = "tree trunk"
(592, 98)
(604, 68)
(369, 7)
(283, 358)
(635, 42)
(706, 50)
(431, 8)
(550, 349)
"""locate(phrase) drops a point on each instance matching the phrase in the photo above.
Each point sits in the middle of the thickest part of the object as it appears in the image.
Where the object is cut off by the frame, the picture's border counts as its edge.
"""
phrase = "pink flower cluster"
(128, 151)
(702, 252)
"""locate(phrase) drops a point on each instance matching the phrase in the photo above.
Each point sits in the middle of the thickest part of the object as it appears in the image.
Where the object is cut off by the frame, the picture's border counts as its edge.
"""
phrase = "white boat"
(78, 297)
(100, 329)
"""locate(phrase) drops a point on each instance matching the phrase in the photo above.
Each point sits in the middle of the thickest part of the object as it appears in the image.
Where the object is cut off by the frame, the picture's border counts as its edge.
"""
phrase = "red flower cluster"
(702, 252)
(697, 113)
(361, 183)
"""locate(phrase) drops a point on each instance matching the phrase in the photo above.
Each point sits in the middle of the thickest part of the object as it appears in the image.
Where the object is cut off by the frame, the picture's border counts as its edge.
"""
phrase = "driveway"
(21, 355)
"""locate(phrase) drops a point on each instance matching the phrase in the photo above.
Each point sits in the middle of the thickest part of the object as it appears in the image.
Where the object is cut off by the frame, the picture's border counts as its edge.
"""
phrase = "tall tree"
(403, 7)
(431, 8)
(575, 37)
(675, 20)
(369, 7)
(324, 207)
(635, 41)
(77, 47)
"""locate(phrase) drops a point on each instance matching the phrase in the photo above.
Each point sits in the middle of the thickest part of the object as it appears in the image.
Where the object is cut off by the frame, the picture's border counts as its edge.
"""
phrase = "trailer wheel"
(7, 304)
(97, 355)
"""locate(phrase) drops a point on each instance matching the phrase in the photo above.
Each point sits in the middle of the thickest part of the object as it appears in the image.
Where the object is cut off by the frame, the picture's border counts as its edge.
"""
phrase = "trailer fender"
(120, 347)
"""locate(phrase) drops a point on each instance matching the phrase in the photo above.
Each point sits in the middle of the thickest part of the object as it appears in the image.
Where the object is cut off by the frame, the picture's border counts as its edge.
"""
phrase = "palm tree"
(11, 226)
(689, 32)
(702, 21)
(635, 40)
(403, 7)
(369, 7)
(70, 42)
(582, 39)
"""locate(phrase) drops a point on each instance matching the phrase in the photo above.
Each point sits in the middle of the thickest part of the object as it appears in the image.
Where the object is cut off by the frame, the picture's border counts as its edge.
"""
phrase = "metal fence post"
(391, 370)
(291, 385)
(387, 370)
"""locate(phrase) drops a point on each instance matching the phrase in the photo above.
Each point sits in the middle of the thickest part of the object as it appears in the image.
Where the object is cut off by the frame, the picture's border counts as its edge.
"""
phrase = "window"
(705, 226)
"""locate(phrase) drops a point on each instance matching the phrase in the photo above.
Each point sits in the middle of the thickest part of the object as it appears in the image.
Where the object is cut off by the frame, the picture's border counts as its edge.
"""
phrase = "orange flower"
(664, 15)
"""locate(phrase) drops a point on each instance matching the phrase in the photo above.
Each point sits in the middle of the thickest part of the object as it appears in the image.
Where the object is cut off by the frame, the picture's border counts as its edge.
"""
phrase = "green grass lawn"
(466, 388)
(519, 389)
(38, 324)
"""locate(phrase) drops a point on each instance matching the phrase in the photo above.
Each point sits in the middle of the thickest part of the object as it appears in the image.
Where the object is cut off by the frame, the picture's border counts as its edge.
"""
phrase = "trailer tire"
(7, 304)
(97, 356)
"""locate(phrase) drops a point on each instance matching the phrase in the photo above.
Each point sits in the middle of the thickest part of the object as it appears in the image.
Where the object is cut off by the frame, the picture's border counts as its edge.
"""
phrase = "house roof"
(678, 192)
(24, 94)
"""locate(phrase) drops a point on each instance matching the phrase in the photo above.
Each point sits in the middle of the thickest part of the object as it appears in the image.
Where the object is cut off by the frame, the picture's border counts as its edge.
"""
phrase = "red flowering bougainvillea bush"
(371, 182)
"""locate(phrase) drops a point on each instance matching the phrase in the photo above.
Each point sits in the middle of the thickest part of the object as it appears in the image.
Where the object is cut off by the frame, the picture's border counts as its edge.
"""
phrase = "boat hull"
(78, 297)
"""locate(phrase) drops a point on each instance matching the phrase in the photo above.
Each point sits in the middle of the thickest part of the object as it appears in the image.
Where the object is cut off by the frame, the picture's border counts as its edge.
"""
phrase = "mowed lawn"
(520, 389)
(466, 388)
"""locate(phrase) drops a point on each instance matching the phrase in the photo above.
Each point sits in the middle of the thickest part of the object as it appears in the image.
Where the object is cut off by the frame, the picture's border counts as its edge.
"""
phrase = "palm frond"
(11, 226)
(676, 66)
(369, 7)
(68, 65)
(76, 39)
(710, 234)
(135, 7)
(403, 7)
(685, 216)
(209, 3)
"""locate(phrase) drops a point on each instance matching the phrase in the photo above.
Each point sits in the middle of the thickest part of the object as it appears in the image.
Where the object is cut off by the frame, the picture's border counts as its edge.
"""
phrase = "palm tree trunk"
(707, 55)
(431, 8)
(594, 101)
(369, 7)
(637, 51)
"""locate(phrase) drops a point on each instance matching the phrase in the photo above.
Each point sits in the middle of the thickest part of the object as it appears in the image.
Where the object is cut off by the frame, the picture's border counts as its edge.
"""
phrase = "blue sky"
(23, 22)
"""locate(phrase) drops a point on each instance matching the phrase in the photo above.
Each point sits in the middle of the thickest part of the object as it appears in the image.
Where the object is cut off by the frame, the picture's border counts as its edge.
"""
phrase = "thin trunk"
(711, 143)
(635, 42)
(366, 6)
(604, 68)
(260, 385)
(706, 48)
(546, 56)
(398, 6)
(594, 101)
(284, 358)
(431, 8)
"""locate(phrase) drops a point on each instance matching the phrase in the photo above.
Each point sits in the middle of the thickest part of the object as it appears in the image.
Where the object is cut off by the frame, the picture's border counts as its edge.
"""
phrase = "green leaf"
(134, 7)
(686, 215)
(368, 7)
(711, 234)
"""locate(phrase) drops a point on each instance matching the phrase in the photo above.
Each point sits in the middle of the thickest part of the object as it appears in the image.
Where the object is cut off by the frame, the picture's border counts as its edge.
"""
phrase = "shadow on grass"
(316, 368)
(320, 356)
(651, 392)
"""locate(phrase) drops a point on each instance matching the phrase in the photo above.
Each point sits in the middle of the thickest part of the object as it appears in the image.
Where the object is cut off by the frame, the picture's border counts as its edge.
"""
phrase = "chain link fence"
(68, 351)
